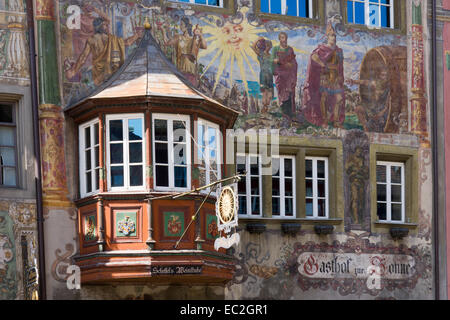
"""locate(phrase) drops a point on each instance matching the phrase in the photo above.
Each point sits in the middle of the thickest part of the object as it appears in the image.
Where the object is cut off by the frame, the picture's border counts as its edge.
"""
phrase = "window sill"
(289, 226)
(265, 219)
(333, 221)
(10, 187)
(285, 17)
(364, 27)
(228, 6)
(315, 221)
(395, 224)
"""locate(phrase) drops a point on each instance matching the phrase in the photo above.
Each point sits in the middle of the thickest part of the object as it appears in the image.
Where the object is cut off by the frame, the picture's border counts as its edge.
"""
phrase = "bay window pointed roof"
(148, 75)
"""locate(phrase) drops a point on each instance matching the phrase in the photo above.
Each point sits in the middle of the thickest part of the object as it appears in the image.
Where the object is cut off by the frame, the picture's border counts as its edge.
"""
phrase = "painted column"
(54, 182)
(418, 101)
(17, 65)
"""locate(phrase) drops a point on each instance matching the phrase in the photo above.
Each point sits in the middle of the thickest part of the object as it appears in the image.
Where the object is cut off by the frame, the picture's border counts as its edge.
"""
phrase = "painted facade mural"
(18, 250)
(14, 66)
(8, 284)
(300, 77)
(96, 45)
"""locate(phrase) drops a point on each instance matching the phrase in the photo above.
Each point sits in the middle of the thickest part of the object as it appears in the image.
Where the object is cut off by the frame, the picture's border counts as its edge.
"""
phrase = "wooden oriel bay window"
(126, 155)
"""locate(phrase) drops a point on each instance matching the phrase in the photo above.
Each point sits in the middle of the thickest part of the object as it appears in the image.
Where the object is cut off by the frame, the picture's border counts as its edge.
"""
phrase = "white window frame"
(82, 157)
(14, 125)
(170, 118)
(200, 4)
(367, 13)
(282, 195)
(315, 196)
(284, 9)
(206, 155)
(126, 154)
(388, 183)
(248, 184)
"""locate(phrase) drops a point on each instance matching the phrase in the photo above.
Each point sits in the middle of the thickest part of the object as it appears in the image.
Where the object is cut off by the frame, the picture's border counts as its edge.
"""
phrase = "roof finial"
(147, 24)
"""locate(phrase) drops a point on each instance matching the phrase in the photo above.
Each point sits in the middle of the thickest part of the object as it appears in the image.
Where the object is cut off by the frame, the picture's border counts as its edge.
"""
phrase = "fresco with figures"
(304, 78)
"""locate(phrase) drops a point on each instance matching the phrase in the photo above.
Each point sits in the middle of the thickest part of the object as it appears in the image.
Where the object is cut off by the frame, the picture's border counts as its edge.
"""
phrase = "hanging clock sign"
(227, 217)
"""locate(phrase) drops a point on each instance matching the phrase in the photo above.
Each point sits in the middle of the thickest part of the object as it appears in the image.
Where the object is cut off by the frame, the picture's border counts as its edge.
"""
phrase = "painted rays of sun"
(231, 46)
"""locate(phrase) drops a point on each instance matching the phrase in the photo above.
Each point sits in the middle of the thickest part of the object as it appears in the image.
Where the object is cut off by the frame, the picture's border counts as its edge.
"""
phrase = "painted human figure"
(323, 93)
(107, 50)
(244, 101)
(357, 175)
(86, 31)
(373, 113)
(188, 45)
(285, 73)
(262, 49)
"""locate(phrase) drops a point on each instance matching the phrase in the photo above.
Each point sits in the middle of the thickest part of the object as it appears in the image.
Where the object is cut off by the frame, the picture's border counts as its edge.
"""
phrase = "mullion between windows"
(92, 151)
(327, 204)
(260, 185)
(392, 10)
(155, 142)
(206, 155)
(315, 190)
(129, 142)
(366, 13)
(282, 189)
(170, 151)
(248, 185)
(279, 196)
(403, 194)
(388, 193)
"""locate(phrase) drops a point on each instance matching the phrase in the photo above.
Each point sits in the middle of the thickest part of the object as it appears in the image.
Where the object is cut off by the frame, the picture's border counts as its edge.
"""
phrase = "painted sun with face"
(230, 46)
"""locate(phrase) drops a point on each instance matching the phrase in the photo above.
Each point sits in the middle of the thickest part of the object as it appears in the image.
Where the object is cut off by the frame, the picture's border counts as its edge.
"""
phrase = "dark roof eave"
(230, 114)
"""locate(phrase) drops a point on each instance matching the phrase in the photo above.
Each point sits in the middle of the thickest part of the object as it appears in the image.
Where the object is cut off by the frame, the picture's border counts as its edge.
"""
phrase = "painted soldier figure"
(323, 93)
